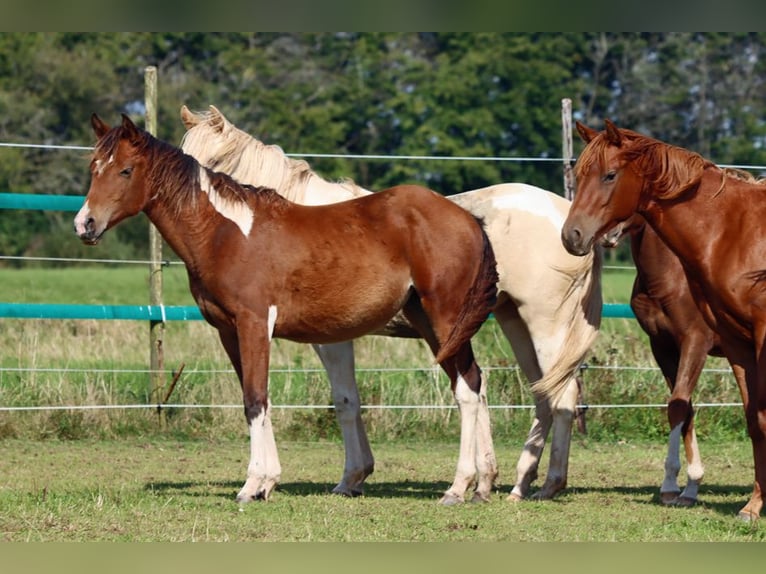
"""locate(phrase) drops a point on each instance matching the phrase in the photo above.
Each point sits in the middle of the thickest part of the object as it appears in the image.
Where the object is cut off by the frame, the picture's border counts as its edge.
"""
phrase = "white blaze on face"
(535, 204)
(237, 212)
(101, 166)
(81, 218)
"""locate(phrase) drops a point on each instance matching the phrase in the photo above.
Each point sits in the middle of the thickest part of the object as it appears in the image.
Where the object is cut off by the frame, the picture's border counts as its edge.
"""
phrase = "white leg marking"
(338, 361)
(264, 469)
(486, 462)
(672, 461)
(272, 319)
(468, 405)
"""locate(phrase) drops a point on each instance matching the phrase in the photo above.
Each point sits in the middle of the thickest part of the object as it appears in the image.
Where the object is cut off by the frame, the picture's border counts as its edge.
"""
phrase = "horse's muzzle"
(86, 230)
(574, 241)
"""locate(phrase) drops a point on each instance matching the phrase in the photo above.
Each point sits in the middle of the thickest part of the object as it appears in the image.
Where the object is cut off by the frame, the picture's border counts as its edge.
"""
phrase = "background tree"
(413, 94)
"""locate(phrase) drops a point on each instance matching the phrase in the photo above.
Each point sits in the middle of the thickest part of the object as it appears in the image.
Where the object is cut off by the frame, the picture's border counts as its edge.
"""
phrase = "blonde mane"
(247, 159)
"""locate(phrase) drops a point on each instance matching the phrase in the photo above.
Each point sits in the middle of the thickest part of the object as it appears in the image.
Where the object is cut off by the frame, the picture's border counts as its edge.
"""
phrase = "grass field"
(165, 490)
(125, 474)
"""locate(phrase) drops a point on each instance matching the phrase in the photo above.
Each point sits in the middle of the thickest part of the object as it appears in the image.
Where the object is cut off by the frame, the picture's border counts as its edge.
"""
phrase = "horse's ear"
(613, 135)
(217, 119)
(585, 132)
(99, 127)
(189, 118)
(130, 128)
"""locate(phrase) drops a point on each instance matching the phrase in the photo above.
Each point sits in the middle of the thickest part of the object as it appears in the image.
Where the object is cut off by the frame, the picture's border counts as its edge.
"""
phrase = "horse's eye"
(609, 176)
(126, 172)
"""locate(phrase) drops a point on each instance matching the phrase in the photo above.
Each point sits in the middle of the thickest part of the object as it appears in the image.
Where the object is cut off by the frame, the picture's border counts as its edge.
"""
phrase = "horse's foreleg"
(264, 469)
(681, 366)
(338, 361)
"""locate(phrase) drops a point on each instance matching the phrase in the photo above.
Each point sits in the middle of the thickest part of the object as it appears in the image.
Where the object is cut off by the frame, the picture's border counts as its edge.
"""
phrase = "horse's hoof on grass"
(347, 492)
(479, 498)
(669, 498)
(513, 497)
(747, 516)
(685, 502)
(450, 499)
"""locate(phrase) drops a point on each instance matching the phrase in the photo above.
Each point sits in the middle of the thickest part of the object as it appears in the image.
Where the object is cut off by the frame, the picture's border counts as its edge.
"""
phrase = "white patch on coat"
(272, 319)
(237, 212)
(533, 203)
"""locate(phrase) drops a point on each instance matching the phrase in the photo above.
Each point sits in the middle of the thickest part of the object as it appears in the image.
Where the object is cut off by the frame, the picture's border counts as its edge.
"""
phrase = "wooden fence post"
(567, 147)
(156, 328)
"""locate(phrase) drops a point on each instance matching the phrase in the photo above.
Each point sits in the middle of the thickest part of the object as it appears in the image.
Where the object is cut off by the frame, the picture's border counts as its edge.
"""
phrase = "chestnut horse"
(711, 219)
(260, 267)
(680, 340)
(549, 302)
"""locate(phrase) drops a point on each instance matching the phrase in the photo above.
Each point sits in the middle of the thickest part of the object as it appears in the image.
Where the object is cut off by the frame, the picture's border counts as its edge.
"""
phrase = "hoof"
(261, 495)
(543, 495)
(347, 492)
(747, 516)
(450, 499)
(479, 498)
(685, 502)
(514, 498)
(669, 498)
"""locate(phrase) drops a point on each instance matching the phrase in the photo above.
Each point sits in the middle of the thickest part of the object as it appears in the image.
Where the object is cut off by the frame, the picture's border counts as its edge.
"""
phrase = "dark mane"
(177, 174)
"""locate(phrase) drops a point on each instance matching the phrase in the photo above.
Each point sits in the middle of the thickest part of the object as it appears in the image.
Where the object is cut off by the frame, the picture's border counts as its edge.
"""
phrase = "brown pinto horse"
(712, 220)
(260, 266)
(680, 340)
(548, 304)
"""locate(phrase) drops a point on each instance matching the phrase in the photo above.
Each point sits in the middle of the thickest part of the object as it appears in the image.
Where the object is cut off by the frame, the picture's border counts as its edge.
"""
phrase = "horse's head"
(608, 192)
(209, 137)
(117, 186)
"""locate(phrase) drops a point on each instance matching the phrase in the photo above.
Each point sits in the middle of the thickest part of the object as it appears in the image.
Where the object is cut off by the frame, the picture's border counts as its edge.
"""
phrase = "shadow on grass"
(422, 490)
(402, 489)
(650, 495)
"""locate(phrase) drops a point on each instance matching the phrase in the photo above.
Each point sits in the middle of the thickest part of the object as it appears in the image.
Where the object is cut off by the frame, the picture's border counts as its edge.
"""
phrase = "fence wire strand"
(317, 370)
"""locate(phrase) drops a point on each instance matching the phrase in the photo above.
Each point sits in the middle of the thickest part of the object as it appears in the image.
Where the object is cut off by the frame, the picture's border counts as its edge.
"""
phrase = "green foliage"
(432, 94)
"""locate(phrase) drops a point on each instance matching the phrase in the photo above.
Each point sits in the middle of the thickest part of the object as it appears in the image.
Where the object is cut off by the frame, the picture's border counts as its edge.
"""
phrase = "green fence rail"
(131, 312)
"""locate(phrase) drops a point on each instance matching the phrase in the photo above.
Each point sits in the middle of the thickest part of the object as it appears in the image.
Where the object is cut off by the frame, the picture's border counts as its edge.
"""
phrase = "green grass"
(126, 474)
(105, 362)
(165, 490)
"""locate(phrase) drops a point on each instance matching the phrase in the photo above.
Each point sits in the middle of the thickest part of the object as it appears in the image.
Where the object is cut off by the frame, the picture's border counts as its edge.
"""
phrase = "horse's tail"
(478, 304)
(583, 305)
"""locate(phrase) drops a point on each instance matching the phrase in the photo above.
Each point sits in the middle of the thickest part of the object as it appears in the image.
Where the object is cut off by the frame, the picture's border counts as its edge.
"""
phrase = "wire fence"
(164, 262)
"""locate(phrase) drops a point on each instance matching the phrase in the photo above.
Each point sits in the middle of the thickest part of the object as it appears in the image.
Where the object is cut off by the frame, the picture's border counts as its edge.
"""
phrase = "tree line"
(414, 94)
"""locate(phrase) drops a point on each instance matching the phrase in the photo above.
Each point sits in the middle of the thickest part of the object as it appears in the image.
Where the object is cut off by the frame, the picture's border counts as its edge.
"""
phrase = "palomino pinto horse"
(713, 222)
(549, 302)
(680, 340)
(260, 266)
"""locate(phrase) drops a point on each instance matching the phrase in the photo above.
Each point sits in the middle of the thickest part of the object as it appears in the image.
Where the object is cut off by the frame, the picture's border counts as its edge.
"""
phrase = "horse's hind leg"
(338, 361)
(563, 412)
(476, 462)
(515, 330)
